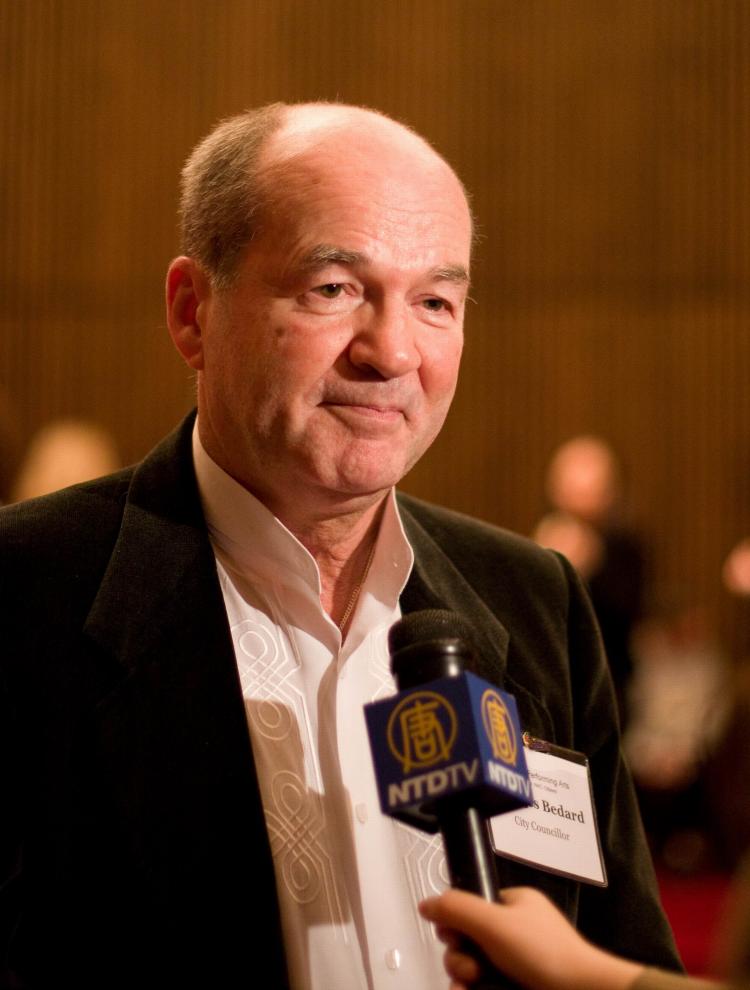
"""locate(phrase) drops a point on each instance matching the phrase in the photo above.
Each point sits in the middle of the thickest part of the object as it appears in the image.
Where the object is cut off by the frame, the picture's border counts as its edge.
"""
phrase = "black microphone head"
(427, 645)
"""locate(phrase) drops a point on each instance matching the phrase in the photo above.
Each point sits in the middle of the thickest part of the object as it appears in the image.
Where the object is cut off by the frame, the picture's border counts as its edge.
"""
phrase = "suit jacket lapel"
(160, 611)
(162, 563)
(436, 583)
(173, 736)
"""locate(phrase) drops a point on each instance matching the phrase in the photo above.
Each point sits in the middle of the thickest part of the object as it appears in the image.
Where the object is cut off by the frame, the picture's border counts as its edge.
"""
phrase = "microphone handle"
(468, 850)
(472, 867)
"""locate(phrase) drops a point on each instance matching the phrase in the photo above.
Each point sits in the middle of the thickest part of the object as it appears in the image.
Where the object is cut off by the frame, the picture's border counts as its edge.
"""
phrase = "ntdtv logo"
(458, 738)
(422, 730)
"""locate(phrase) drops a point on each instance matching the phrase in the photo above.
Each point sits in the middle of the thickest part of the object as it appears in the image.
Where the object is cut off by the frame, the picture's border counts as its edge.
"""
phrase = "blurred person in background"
(679, 705)
(64, 452)
(584, 489)
(736, 570)
(729, 769)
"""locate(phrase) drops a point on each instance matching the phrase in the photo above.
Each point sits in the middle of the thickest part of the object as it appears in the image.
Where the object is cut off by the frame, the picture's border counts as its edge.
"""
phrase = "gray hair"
(220, 192)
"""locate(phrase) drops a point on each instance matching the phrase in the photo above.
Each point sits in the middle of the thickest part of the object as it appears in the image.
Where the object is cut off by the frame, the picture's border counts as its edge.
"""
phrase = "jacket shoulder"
(74, 523)
(479, 549)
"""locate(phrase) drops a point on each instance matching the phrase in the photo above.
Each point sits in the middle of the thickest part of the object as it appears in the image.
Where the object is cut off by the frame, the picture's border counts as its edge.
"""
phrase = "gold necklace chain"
(354, 597)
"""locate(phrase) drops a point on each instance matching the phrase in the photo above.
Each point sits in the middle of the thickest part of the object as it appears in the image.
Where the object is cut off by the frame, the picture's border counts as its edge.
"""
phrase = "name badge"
(558, 833)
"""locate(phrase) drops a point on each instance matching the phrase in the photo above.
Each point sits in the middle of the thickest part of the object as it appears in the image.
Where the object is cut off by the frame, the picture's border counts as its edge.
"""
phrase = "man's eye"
(434, 305)
(331, 290)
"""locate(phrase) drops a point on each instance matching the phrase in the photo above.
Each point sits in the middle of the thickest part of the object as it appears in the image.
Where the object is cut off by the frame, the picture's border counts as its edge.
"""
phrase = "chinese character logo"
(421, 730)
(499, 727)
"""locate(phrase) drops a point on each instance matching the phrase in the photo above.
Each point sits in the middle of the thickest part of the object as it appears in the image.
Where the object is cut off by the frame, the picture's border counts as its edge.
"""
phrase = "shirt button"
(393, 959)
(360, 810)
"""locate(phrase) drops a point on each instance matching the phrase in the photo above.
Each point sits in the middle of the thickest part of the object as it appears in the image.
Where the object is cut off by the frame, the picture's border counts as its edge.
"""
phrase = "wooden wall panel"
(606, 146)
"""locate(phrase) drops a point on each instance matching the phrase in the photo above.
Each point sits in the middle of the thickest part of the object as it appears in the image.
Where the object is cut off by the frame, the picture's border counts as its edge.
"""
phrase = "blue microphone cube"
(456, 738)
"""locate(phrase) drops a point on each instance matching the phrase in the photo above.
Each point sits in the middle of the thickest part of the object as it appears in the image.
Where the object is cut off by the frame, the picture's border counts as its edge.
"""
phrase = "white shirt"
(348, 878)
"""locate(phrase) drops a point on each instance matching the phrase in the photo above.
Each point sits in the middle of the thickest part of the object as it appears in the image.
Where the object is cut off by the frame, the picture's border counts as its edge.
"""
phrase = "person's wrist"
(607, 970)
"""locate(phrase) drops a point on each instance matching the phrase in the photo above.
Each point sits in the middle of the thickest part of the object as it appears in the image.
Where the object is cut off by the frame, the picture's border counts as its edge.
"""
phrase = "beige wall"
(606, 144)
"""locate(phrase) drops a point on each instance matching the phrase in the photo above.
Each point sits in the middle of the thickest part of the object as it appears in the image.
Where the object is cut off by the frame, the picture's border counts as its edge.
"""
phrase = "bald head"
(305, 126)
(243, 167)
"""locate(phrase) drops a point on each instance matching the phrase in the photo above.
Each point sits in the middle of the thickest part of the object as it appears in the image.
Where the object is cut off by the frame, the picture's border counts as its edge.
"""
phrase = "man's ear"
(188, 291)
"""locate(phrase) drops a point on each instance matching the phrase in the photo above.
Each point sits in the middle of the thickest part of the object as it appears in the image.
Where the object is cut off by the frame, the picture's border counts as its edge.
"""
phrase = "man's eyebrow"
(451, 273)
(328, 254)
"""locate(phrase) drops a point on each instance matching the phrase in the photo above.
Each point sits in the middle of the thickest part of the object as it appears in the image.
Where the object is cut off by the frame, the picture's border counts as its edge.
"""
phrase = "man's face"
(329, 365)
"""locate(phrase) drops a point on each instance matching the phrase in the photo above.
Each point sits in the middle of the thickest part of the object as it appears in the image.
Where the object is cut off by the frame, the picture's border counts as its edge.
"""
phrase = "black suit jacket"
(135, 852)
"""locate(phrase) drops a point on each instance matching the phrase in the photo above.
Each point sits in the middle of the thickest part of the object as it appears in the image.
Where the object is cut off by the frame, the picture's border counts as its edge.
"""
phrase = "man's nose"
(384, 340)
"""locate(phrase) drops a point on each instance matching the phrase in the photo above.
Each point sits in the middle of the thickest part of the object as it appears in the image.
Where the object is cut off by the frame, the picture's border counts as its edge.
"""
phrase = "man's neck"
(340, 531)
(342, 547)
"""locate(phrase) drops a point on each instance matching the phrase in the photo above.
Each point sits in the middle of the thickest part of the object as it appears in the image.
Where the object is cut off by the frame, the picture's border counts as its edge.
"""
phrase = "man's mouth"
(364, 411)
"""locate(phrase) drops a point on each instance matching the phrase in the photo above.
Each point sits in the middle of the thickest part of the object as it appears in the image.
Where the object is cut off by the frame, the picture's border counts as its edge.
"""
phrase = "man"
(189, 644)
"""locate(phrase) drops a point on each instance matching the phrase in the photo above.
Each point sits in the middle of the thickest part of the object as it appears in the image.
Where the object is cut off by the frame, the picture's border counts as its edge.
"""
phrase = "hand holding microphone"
(529, 938)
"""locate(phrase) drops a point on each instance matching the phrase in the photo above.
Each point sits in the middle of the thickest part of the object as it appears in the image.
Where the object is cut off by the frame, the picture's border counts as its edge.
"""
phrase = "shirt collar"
(247, 536)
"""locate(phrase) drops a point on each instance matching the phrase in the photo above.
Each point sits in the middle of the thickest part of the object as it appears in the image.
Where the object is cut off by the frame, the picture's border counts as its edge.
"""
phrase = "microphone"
(448, 751)
(448, 748)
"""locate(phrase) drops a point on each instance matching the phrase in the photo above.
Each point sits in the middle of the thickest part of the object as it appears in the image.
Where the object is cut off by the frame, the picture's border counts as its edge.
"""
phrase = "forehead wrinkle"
(290, 177)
